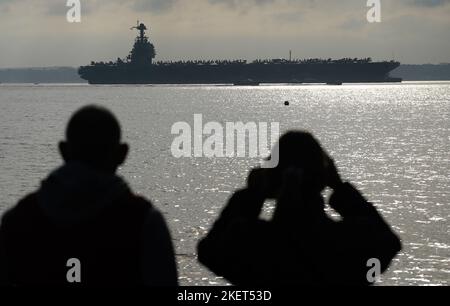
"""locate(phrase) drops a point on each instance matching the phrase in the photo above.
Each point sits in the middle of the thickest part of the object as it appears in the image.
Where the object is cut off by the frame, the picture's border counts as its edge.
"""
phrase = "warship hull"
(232, 74)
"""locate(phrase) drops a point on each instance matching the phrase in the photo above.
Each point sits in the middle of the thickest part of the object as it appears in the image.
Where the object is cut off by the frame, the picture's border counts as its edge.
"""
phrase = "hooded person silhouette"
(301, 244)
(84, 226)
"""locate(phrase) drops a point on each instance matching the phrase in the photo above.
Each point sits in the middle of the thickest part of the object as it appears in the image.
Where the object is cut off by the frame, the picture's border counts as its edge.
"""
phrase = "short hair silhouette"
(93, 134)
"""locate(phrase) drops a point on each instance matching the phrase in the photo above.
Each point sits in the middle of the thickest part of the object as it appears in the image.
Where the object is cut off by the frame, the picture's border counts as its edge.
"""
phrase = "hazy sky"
(36, 32)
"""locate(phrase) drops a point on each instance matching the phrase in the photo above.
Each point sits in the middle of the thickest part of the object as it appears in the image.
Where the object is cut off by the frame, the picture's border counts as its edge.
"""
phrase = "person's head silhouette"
(93, 137)
(301, 150)
(298, 180)
(301, 155)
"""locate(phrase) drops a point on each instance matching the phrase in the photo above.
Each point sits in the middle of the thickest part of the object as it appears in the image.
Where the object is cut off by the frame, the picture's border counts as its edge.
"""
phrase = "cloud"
(164, 6)
(37, 30)
(156, 6)
(430, 3)
(237, 3)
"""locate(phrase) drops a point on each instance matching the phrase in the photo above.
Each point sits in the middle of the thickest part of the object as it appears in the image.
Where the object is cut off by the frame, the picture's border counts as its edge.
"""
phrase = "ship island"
(140, 67)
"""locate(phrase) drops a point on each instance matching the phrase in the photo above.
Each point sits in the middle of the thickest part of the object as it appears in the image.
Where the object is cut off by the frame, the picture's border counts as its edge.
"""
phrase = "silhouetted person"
(83, 210)
(300, 244)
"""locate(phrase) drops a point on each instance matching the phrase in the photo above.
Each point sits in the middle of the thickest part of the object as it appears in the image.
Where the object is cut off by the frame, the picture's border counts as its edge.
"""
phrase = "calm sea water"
(392, 141)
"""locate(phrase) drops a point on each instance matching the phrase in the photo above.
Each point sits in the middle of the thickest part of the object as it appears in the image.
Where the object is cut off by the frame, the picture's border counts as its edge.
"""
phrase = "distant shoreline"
(69, 75)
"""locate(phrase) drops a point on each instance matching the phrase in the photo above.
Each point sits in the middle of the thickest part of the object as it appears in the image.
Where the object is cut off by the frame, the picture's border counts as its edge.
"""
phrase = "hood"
(75, 192)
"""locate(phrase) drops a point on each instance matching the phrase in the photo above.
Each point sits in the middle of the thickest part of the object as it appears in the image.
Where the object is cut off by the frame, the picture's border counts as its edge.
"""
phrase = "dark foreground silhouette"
(84, 211)
(300, 244)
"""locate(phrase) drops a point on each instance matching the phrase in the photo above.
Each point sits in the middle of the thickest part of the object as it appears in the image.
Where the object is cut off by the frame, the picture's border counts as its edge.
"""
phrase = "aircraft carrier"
(139, 67)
